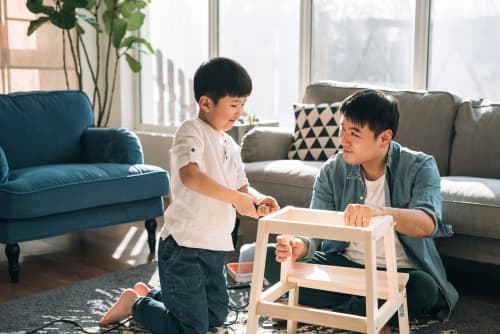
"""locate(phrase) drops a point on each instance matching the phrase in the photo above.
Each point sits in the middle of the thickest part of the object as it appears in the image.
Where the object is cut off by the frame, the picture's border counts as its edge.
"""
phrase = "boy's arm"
(197, 181)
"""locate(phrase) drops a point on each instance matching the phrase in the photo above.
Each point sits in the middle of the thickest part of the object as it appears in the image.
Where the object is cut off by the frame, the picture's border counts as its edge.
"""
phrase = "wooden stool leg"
(257, 276)
(404, 326)
(293, 299)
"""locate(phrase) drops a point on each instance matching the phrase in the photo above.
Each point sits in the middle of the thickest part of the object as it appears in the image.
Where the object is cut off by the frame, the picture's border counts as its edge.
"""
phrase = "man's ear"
(386, 136)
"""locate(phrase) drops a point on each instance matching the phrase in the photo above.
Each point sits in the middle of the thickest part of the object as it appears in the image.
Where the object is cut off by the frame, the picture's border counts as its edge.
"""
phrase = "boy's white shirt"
(195, 220)
(375, 195)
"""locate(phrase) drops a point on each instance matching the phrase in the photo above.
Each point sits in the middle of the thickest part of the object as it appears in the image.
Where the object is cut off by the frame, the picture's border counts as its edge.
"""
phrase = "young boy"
(208, 184)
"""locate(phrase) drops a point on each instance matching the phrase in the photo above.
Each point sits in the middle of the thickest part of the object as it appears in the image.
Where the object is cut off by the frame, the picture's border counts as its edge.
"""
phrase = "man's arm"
(197, 181)
(422, 216)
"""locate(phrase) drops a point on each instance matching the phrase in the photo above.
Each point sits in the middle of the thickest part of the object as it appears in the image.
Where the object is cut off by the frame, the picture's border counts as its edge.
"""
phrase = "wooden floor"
(55, 262)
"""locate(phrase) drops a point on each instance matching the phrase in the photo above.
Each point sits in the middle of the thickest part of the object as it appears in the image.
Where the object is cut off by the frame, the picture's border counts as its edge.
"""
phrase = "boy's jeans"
(193, 295)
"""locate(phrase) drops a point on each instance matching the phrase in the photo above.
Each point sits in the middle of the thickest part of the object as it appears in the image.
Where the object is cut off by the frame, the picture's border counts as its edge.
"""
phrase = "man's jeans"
(193, 295)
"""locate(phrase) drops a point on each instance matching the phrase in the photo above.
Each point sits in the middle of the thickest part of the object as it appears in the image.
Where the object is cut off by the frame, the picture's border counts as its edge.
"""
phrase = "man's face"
(225, 113)
(360, 144)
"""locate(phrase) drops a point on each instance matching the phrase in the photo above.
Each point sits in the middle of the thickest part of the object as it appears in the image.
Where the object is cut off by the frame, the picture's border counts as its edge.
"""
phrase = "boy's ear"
(205, 103)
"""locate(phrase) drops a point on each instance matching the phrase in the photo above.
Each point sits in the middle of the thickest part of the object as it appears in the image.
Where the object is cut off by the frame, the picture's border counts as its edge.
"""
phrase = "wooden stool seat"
(369, 282)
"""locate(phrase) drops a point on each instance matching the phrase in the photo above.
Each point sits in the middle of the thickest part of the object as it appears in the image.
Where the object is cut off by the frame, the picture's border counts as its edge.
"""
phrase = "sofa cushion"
(476, 149)
(50, 189)
(289, 181)
(39, 128)
(316, 136)
(265, 143)
(472, 205)
(426, 118)
(4, 167)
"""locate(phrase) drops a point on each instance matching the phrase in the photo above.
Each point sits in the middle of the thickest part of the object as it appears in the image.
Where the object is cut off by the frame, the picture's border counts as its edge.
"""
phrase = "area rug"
(86, 301)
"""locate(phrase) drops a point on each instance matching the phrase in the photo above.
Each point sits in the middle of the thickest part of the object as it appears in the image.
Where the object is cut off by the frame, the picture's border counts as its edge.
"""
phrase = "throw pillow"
(316, 134)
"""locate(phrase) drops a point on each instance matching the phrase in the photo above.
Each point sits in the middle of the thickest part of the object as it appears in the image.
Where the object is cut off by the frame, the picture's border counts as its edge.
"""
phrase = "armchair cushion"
(117, 145)
(53, 189)
(4, 167)
(316, 136)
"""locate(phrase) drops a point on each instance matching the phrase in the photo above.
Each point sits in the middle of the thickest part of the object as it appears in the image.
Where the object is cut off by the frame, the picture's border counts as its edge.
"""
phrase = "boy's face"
(224, 114)
(361, 147)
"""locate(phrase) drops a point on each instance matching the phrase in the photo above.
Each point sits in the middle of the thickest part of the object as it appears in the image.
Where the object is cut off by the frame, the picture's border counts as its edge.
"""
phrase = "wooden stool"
(388, 285)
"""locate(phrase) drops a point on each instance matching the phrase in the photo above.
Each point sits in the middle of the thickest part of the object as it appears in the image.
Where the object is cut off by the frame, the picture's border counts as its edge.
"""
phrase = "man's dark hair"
(220, 77)
(380, 111)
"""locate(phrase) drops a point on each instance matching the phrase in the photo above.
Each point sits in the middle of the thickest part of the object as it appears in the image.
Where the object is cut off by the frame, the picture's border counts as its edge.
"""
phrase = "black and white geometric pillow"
(316, 136)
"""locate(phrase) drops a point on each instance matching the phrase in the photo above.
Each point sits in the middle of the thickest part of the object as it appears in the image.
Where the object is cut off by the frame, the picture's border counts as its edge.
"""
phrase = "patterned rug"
(86, 301)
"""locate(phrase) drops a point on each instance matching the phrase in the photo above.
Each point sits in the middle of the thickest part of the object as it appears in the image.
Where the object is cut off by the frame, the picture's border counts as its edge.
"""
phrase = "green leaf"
(64, 19)
(131, 40)
(35, 24)
(107, 18)
(142, 4)
(91, 4)
(72, 4)
(119, 30)
(135, 21)
(134, 65)
(110, 4)
(37, 7)
(127, 8)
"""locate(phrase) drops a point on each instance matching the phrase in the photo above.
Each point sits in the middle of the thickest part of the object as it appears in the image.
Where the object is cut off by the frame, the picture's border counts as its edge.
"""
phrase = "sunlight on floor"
(140, 244)
(124, 243)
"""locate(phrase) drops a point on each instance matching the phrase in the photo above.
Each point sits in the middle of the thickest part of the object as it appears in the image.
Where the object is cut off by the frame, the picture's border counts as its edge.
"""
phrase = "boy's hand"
(266, 206)
(297, 248)
(244, 204)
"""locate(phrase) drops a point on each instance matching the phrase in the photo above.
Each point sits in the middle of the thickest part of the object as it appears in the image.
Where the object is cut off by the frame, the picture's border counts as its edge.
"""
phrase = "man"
(375, 176)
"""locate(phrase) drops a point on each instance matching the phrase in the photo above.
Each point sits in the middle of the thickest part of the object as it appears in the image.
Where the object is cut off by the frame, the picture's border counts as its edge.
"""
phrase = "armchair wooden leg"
(151, 228)
(12, 251)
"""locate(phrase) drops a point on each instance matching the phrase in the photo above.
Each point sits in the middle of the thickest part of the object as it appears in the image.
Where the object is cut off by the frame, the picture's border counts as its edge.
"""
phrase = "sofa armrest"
(118, 145)
(266, 143)
(4, 167)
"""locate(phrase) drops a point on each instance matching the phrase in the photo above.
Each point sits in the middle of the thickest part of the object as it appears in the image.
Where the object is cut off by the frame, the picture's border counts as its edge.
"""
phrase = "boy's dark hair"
(220, 77)
(380, 111)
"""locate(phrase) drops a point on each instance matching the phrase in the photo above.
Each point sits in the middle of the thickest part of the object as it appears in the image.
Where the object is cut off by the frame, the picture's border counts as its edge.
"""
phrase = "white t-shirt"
(195, 220)
(375, 195)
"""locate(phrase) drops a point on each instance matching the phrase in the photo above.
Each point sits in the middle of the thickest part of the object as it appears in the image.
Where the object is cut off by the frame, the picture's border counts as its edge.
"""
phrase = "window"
(465, 48)
(181, 43)
(363, 41)
(34, 62)
(286, 44)
(273, 28)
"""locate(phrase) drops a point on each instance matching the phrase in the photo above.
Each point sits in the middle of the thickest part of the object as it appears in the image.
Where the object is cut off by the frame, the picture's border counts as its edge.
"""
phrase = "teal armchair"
(59, 174)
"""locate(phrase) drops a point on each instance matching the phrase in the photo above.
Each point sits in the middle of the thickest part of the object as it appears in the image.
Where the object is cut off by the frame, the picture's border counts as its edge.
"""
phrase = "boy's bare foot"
(385, 330)
(142, 289)
(122, 309)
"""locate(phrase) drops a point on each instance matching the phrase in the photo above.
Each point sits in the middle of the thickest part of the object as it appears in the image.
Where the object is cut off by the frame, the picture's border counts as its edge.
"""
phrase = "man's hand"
(360, 214)
(296, 248)
(266, 206)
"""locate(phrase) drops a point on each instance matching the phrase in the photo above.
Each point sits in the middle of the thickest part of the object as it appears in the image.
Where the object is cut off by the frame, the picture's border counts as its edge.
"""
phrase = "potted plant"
(115, 22)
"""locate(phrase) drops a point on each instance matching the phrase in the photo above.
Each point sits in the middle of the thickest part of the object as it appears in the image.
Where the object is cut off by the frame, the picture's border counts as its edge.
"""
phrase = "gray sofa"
(462, 135)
